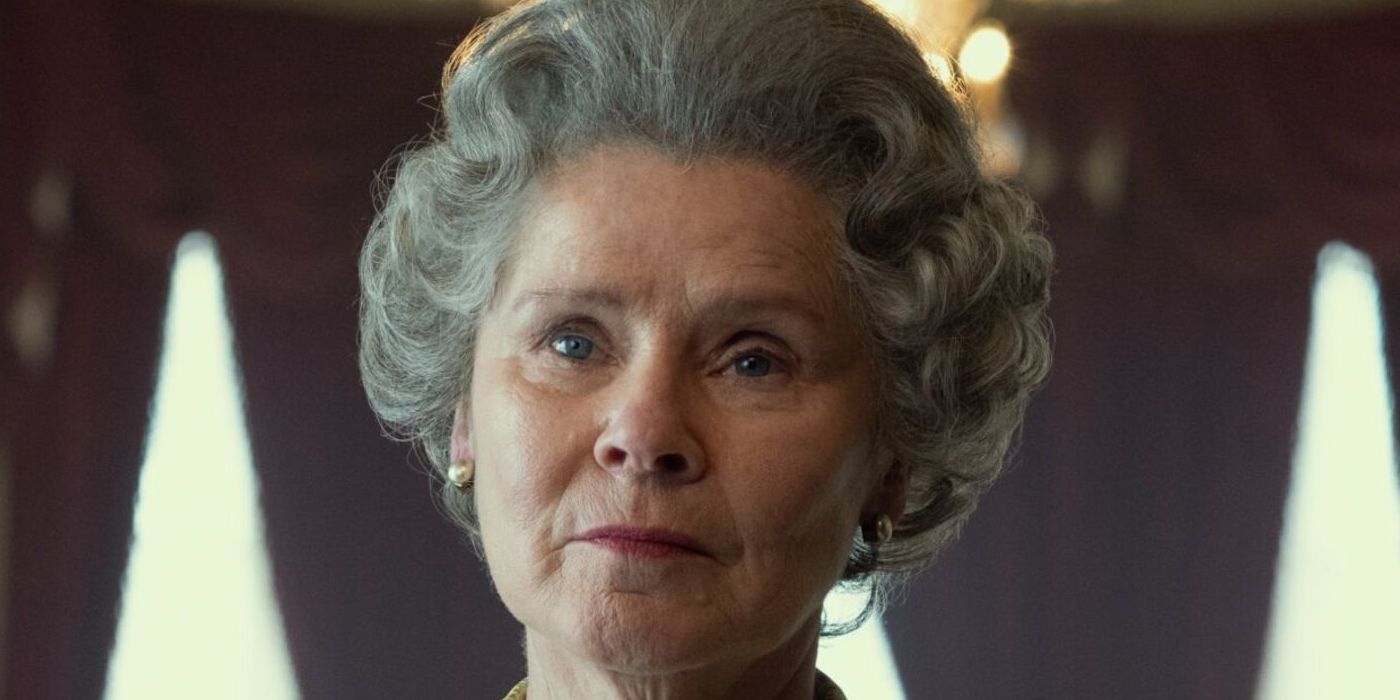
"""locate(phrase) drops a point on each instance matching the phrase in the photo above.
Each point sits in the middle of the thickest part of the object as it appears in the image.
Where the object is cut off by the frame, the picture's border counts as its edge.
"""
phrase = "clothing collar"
(826, 690)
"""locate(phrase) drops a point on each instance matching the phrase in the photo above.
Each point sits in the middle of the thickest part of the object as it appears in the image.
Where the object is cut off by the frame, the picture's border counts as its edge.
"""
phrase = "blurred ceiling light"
(985, 54)
(941, 66)
(906, 11)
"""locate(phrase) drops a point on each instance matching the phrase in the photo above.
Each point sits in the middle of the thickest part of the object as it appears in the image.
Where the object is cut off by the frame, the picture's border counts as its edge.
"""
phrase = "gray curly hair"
(946, 267)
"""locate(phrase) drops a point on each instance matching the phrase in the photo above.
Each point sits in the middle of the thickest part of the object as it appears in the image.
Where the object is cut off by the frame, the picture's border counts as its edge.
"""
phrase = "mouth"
(649, 543)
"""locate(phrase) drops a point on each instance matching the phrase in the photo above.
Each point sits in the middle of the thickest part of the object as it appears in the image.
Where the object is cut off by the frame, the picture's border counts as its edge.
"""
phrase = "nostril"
(672, 462)
(616, 456)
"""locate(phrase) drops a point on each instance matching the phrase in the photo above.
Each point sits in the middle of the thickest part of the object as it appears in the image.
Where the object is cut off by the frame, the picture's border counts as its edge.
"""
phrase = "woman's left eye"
(574, 347)
(753, 365)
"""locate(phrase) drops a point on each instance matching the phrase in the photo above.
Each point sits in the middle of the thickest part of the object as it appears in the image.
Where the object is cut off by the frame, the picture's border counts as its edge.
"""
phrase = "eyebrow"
(724, 305)
(763, 303)
(587, 297)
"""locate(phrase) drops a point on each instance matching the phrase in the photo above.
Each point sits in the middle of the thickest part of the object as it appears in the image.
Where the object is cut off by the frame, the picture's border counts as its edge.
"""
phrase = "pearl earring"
(461, 473)
(884, 528)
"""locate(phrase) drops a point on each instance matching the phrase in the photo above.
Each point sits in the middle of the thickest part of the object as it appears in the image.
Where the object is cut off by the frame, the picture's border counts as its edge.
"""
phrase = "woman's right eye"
(572, 346)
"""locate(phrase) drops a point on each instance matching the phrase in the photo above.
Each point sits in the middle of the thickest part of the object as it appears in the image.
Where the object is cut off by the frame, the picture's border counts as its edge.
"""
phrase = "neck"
(785, 673)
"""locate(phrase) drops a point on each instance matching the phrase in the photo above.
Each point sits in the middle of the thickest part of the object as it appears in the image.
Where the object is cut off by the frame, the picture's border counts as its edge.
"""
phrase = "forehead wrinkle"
(781, 304)
(802, 277)
(794, 246)
(587, 296)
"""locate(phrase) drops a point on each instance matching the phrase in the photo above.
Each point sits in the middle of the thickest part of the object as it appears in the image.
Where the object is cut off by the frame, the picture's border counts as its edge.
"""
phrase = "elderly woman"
(700, 308)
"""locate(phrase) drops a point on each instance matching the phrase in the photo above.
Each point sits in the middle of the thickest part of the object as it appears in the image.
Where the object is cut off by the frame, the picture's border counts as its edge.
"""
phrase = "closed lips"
(624, 535)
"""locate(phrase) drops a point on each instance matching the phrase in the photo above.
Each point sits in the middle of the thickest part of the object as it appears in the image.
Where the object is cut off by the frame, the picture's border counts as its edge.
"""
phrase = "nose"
(646, 435)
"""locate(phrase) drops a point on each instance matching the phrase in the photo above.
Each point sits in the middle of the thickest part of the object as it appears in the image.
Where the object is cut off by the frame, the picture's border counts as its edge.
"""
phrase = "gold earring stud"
(461, 472)
(884, 528)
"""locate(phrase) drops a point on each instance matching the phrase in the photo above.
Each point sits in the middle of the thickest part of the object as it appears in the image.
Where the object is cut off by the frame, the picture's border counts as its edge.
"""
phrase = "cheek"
(799, 487)
(528, 449)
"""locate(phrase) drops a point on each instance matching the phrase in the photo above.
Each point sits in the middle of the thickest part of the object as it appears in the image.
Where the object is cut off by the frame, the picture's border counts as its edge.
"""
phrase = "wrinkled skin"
(671, 348)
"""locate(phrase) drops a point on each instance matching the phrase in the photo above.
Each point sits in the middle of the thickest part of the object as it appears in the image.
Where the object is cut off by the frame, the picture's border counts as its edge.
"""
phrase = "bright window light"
(1335, 627)
(199, 618)
(861, 662)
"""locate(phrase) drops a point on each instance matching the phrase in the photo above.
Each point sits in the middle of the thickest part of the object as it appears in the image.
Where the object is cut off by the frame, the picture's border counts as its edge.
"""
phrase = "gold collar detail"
(826, 690)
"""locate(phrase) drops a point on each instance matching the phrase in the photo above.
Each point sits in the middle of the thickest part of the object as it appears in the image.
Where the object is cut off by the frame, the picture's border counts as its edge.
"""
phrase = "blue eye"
(574, 347)
(752, 365)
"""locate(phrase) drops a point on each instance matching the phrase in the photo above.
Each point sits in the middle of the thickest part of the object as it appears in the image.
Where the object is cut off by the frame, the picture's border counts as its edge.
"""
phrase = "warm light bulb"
(985, 54)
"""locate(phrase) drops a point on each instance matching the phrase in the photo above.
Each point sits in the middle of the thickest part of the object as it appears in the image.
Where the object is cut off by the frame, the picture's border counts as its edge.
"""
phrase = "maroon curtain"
(267, 130)
(17, 240)
(1130, 550)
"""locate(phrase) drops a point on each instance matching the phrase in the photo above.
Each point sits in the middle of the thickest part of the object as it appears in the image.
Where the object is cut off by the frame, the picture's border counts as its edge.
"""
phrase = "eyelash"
(780, 366)
(575, 327)
(559, 331)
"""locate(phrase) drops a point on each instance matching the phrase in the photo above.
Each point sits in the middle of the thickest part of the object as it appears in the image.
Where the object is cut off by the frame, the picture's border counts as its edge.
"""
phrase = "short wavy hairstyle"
(946, 265)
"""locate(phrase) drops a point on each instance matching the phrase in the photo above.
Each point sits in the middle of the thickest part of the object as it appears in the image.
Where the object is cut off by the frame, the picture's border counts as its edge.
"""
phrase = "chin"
(639, 634)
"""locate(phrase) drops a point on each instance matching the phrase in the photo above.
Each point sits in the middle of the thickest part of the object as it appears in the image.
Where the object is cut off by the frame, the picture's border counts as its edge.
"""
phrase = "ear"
(889, 496)
(461, 434)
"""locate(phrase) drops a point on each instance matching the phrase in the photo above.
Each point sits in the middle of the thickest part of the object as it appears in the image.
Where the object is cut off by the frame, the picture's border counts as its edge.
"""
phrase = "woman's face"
(671, 413)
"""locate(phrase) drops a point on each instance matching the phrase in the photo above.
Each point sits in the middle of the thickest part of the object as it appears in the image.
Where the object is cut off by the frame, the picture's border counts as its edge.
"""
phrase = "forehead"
(631, 220)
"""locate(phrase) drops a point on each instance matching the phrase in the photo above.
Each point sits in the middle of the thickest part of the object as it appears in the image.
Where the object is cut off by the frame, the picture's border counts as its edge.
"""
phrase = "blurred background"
(196, 501)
